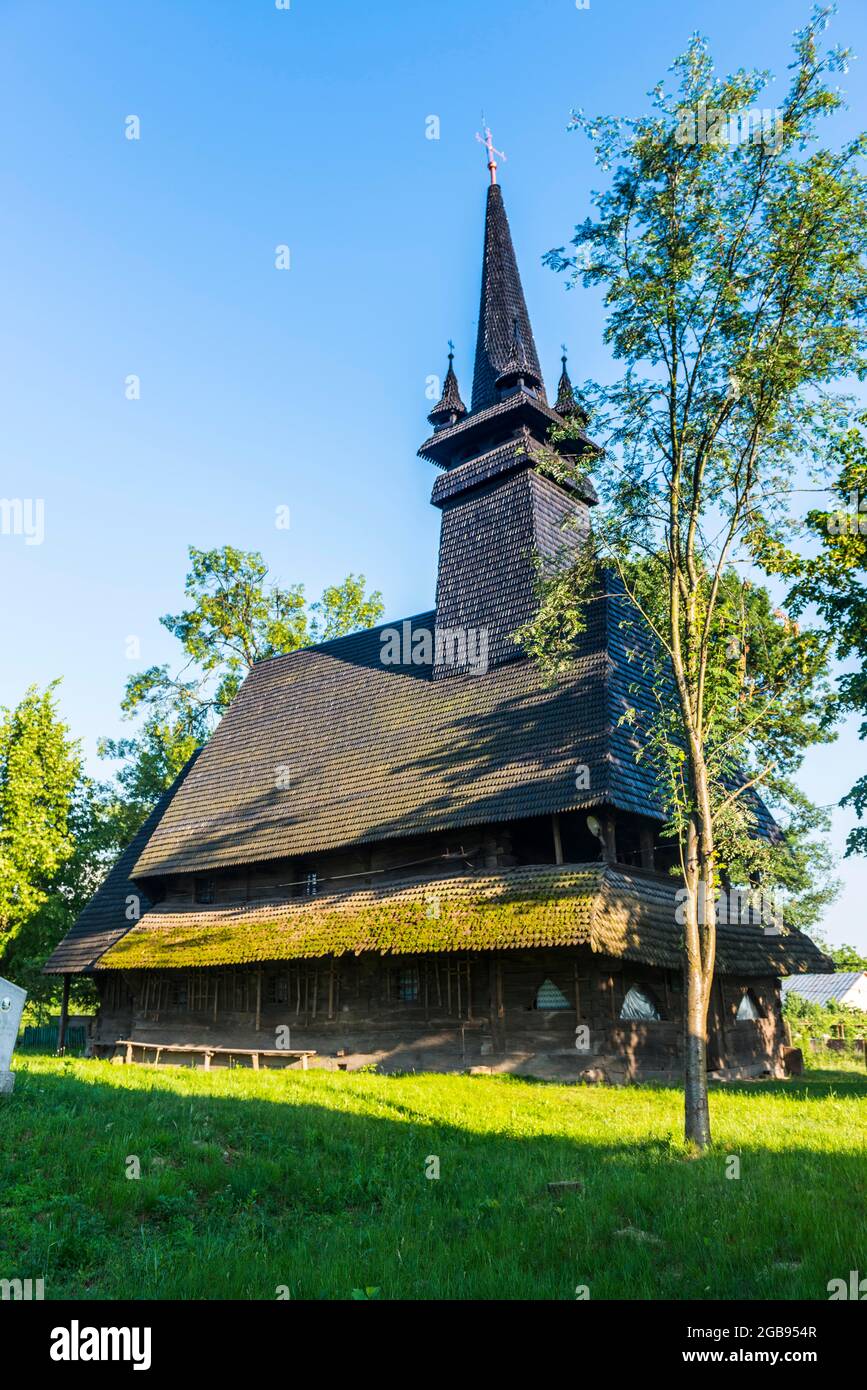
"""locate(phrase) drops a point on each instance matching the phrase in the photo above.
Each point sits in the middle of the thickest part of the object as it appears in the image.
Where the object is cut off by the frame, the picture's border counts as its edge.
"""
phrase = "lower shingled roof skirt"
(613, 910)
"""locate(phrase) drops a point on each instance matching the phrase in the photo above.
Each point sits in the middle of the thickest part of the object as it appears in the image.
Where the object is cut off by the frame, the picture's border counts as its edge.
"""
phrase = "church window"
(639, 1006)
(204, 890)
(748, 1008)
(408, 986)
(278, 989)
(180, 994)
(548, 996)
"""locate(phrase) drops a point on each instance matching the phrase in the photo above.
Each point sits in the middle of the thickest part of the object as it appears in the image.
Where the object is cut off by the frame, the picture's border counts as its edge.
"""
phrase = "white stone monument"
(11, 1008)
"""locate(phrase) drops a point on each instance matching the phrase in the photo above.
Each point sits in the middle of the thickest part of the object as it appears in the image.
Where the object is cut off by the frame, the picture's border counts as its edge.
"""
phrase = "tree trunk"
(698, 967)
(696, 1114)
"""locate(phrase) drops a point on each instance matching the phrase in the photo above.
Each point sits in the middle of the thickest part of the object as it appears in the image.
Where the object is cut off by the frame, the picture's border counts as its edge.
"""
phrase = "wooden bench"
(206, 1051)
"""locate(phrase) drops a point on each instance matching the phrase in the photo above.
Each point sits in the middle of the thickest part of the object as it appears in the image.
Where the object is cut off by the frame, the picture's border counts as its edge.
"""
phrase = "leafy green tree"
(235, 617)
(40, 778)
(769, 699)
(835, 580)
(65, 893)
(734, 278)
(848, 957)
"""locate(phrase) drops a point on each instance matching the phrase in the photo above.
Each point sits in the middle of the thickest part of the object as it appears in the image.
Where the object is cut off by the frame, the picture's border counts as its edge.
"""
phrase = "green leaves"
(40, 770)
(730, 244)
(235, 617)
(835, 580)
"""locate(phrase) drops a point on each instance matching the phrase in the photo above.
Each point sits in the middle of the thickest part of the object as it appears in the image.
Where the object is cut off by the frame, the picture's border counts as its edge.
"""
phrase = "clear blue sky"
(262, 388)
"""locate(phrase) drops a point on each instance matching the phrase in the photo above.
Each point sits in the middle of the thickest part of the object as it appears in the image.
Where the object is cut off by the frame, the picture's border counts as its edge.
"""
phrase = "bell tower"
(500, 509)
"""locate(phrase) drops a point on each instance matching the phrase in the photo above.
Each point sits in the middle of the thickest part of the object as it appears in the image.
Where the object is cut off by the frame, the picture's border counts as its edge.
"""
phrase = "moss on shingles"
(385, 928)
(610, 909)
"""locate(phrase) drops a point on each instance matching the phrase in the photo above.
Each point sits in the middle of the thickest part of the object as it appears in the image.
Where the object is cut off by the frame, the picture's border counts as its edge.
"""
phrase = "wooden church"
(403, 848)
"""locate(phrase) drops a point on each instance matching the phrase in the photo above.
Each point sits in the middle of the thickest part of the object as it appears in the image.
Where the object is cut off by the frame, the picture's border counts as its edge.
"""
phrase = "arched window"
(748, 1008)
(639, 1006)
(548, 996)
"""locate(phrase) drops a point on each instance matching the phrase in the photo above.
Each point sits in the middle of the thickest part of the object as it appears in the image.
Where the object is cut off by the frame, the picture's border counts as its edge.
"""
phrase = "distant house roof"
(615, 911)
(821, 989)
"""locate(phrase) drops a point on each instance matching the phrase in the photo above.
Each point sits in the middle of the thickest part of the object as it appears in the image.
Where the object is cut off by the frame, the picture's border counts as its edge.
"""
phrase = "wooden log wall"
(440, 1012)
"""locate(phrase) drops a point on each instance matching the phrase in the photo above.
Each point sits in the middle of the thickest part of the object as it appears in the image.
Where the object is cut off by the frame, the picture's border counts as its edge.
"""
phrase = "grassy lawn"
(317, 1182)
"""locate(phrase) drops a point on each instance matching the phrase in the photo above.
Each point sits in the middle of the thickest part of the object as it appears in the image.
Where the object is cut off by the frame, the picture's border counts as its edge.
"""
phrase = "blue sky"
(303, 388)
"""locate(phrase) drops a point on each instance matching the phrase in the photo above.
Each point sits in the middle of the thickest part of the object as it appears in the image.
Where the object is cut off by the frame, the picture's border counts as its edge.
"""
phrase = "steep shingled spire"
(449, 408)
(518, 371)
(502, 308)
(566, 403)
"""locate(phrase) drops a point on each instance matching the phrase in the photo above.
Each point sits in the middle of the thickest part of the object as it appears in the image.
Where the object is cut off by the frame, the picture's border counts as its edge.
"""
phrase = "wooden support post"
(129, 1054)
(255, 1060)
(331, 988)
(64, 1017)
(259, 1000)
(491, 850)
(724, 1042)
(497, 1011)
(610, 832)
(645, 840)
(216, 993)
(304, 1062)
(577, 993)
(558, 842)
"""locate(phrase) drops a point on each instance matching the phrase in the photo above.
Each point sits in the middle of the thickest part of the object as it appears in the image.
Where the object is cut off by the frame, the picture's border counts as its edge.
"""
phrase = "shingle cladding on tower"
(490, 537)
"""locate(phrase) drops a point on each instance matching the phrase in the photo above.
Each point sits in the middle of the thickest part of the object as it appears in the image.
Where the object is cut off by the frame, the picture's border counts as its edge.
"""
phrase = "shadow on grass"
(238, 1195)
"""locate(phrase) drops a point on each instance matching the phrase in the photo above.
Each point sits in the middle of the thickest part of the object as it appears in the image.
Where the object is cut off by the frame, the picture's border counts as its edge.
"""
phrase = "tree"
(835, 580)
(40, 774)
(65, 893)
(735, 287)
(235, 618)
(848, 957)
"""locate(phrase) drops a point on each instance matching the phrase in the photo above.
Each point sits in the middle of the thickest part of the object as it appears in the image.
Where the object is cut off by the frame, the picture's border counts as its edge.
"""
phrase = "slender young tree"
(729, 243)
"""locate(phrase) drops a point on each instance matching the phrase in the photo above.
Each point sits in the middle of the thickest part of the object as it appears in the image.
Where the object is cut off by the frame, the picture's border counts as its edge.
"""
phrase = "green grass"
(317, 1181)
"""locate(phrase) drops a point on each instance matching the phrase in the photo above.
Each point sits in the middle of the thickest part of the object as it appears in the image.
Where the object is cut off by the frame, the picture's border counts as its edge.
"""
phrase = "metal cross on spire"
(488, 141)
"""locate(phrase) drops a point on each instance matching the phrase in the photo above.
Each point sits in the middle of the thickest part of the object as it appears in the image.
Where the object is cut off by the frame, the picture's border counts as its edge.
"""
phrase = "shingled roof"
(104, 920)
(614, 911)
(449, 407)
(505, 338)
(373, 752)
